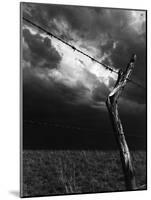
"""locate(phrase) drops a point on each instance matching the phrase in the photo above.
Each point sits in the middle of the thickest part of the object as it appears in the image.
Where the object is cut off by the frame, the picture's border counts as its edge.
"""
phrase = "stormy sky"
(62, 86)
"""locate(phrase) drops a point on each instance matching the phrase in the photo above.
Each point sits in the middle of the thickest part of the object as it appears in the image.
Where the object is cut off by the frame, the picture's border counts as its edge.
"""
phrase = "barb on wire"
(78, 50)
(73, 47)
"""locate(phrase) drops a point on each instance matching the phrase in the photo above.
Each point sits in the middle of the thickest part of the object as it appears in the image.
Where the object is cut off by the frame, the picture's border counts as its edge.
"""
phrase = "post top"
(133, 58)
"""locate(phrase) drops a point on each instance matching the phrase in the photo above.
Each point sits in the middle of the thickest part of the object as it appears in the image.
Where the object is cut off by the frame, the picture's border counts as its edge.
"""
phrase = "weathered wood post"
(112, 106)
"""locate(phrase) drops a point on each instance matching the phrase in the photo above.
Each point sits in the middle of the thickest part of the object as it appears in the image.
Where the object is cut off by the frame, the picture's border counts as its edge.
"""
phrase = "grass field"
(47, 172)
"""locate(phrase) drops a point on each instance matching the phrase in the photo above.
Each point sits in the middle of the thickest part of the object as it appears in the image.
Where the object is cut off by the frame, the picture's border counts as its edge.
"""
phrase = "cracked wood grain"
(112, 106)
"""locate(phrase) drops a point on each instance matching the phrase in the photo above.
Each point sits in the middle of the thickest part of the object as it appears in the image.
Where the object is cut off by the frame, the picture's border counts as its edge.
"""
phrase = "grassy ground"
(63, 172)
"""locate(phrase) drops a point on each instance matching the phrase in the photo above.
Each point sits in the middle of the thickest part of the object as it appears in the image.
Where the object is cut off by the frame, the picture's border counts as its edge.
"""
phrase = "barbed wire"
(65, 126)
(78, 50)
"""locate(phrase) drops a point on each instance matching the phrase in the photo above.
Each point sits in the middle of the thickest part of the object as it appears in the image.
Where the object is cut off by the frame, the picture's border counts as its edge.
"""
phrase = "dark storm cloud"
(109, 29)
(88, 21)
(40, 52)
(99, 24)
(121, 55)
(100, 93)
(49, 88)
(48, 100)
(135, 95)
(64, 90)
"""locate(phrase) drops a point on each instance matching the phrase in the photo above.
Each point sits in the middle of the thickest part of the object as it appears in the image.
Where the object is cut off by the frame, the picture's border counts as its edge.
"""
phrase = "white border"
(9, 98)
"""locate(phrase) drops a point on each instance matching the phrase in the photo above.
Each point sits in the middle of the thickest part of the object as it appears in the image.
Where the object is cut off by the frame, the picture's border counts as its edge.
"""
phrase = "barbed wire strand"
(78, 50)
(57, 125)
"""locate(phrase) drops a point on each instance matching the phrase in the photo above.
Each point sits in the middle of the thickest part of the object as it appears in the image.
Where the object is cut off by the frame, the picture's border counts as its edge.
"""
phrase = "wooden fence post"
(112, 106)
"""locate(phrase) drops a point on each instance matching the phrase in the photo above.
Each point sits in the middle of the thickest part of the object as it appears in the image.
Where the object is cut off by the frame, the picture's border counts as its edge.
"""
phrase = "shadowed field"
(49, 172)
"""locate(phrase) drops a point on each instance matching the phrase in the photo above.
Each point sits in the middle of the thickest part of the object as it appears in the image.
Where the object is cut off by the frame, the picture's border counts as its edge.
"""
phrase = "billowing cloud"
(54, 60)
(39, 51)
(109, 35)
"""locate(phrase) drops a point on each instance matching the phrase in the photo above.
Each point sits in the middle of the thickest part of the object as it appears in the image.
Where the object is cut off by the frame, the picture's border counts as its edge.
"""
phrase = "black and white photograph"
(83, 99)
